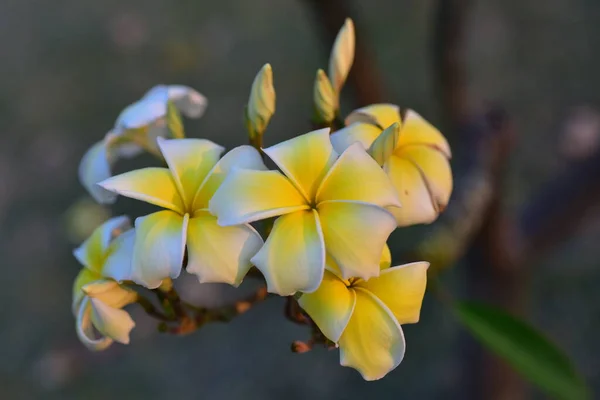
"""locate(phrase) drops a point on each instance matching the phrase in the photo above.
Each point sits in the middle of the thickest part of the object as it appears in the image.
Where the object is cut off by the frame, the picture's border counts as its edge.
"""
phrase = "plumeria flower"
(364, 318)
(328, 205)
(97, 298)
(136, 129)
(215, 253)
(412, 152)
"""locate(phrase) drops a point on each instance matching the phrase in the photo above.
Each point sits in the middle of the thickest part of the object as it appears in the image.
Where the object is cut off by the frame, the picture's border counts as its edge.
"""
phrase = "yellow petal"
(435, 169)
(416, 130)
(85, 330)
(293, 258)
(244, 157)
(330, 306)
(220, 253)
(386, 258)
(356, 176)
(417, 206)
(93, 168)
(152, 185)
(159, 247)
(84, 277)
(355, 235)
(382, 115)
(190, 161)
(92, 252)
(117, 264)
(247, 196)
(401, 289)
(111, 322)
(342, 55)
(373, 342)
(383, 147)
(384, 262)
(110, 293)
(360, 132)
(305, 160)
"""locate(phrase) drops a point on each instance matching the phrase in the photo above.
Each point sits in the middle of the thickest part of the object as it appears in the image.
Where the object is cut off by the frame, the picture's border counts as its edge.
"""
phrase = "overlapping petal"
(330, 306)
(93, 168)
(190, 161)
(159, 247)
(373, 342)
(217, 253)
(152, 185)
(416, 130)
(84, 277)
(85, 329)
(382, 115)
(356, 176)
(110, 293)
(361, 132)
(305, 160)
(435, 169)
(401, 289)
(118, 262)
(293, 258)
(92, 252)
(355, 235)
(417, 204)
(242, 157)
(111, 322)
(246, 196)
(385, 145)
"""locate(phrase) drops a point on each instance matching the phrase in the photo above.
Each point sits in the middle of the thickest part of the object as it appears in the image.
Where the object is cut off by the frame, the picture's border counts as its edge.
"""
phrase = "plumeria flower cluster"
(326, 213)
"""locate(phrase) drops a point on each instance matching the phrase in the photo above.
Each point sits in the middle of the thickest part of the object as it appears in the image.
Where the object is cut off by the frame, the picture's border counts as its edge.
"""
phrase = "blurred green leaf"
(174, 121)
(525, 349)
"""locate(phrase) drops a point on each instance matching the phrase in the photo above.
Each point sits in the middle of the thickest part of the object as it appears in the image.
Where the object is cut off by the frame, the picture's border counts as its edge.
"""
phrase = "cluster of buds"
(327, 212)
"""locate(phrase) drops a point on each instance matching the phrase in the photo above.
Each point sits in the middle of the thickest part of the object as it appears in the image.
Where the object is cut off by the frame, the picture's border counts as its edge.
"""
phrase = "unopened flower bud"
(342, 55)
(325, 98)
(261, 104)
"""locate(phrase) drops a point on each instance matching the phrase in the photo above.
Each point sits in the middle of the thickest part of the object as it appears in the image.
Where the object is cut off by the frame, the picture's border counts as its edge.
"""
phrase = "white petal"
(159, 247)
(187, 100)
(360, 132)
(85, 330)
(111, 322)
(93, 168)
(117, 264)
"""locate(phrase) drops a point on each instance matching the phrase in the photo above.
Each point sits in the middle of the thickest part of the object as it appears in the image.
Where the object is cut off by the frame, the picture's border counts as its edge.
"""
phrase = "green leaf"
(174, 122)
(525, 349)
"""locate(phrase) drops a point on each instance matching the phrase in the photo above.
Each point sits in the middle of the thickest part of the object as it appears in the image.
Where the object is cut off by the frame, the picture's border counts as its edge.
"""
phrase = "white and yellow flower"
(215, 253)
(364, 318)
(136, 129)
(413, 153)
(97, 298)
(328, 205)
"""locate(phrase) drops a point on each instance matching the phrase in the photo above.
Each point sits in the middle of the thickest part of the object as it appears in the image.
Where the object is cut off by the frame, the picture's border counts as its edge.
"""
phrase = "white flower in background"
(97, 298)
(135, 130)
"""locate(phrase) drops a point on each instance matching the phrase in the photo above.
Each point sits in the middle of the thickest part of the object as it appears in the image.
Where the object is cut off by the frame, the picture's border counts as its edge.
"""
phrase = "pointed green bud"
(342, 55)
(325, 99)
(261, 104)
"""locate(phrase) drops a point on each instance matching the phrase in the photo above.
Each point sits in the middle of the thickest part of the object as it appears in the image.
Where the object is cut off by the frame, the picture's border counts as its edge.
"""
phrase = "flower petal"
(110, 293)
(190, 161)
(159, 247)
(220, 253)
(330, 306)
(416, 130)
(187, 100)
(84, 277)
(417, 205)
(141, 113)
(117, 264)
(435, 169)
(248, 196)
(373, 342)
(356, 176)
(355, 235)
(386, 258)
(305, 160)
(111, 322)
(243, 157)
(293, 258)
(152, 185)
(401, 289)
(93, 168)
(85, 330)
(92, 252)
(383, 147)
(382, 115)
(360, 132)
(384, 262)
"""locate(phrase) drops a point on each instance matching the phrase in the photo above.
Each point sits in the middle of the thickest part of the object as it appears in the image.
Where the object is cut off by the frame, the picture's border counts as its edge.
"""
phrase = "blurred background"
(514, 85)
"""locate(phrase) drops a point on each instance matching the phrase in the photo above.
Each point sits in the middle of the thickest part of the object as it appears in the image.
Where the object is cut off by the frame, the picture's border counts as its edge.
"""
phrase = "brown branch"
(364, 78)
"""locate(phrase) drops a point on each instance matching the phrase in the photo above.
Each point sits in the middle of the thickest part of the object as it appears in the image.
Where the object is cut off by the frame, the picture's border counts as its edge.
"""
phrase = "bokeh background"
(68, 68)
